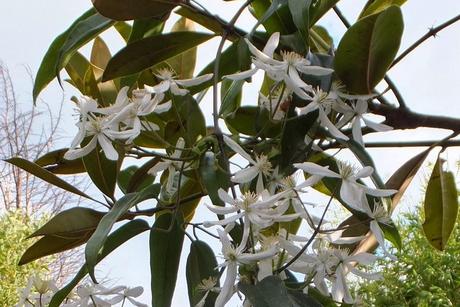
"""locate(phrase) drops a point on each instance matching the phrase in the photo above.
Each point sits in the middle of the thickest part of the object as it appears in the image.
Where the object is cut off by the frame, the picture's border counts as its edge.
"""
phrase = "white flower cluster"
(279, 200)
(122, 121)
(348, 109)
(39, 292)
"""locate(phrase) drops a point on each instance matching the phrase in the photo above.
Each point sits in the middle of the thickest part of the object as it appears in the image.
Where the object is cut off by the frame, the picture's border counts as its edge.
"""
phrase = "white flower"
(120, 102)
(130, 294)
(92, 293)
(351, 192)
(170, 83)
(103, 131)
(207, 286)
(324, 102)
(141, 105)
(260, 166)
(286, 70)
(38, 292)
(171, 165)
(378, 215)
(275, 104)
(234, 256)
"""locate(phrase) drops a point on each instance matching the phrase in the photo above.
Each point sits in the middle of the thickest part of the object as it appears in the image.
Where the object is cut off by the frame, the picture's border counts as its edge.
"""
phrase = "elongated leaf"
(367, 49)
(141, 175)
(79, 35)
(134, 9)
(100, 53)
(117, 238)
(71, 221)
(300, 11)
(201, 265)
(376, 6)
(441, 206)
(98, 239)
(231, 91)
(49, 245)
(150, 51)
(184, 63)
(145, 27)
(274, 15)
(166, 239)
(102, 171)
(55, 163)
(319, 8)
(213, 177)
(47, 70)
(125, 178)
(45, 175)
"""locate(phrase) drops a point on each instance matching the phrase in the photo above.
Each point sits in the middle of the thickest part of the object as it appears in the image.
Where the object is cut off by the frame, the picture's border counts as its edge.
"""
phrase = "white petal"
(364, 172)
(164, 107)
(294, 75)
(161, 87)
(272, 44)
(160, 166)
(315, 70)
(330, 126)
(351, 194)
(242, 75)
(227, 289)
(249, 258)
(80, 135)
(376, 126)
(221, 210)
(225, 221)
(73, 154)
(356, 130)
(237, 149)
(223, 195)
(316, 169)
(136, 303)
(245, 175)
(257, 53)
(312, 106)
(265, 269)
(134, 292)
(178, 91)
(366, 275)
(379, 192)
(195, 81)
(107, 147)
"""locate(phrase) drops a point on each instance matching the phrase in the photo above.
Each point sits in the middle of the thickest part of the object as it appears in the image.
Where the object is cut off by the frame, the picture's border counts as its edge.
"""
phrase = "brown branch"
(403, 118)
(431, 32)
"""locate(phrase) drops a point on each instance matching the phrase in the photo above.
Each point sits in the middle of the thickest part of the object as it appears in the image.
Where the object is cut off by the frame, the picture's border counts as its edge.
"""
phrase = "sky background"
(428, 79)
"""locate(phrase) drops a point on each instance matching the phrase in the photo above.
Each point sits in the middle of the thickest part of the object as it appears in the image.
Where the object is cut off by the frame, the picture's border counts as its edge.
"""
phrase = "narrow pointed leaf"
(376, 6)
(134, 9)
(166, 239)
(55, 163)
(213, 177)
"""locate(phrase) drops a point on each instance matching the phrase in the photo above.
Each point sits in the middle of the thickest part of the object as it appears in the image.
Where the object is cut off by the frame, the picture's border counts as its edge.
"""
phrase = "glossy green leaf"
(100, 53)
(213, 176)
(124, 29)
(150, 51)
(79, 35)
(134, 9)
(76, 68)
(274, 15)
(376, 6)
(320, 40)
(144, 28)
(71, 221)
(201, 265)
(184, 63)
(115, 239)
(99, 237)
(128, 183)
(319, 8)
(45, 175)
(141, 176)
(55, 163)
(367, 50)
(47, 70)
(300, 11)
(102, 171)
(231, 93)
(166, 239)
(49, 245)
(441, 206)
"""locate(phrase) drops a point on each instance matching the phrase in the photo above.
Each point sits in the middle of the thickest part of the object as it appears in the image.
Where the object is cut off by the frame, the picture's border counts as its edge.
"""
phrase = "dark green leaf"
(376, 6)
(201, 264)
(231, 91)
(47, 70)
(144, 28)
(367, 50)
(117, 238)
(134, 9)
(441, 206)
(213, 177)
(319, 8)
(71, 221)
(300, 10)
(166, 239)
(150, 51)
(274, 15)
(45, 175)
(126, 181)
(55, 163)
(98, 239)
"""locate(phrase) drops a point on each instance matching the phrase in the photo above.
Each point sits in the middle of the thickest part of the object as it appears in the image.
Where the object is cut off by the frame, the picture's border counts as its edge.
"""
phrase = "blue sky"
(428, 79)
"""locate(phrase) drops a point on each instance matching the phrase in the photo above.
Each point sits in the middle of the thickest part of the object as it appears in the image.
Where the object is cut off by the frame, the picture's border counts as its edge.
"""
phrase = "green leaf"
(141, 176)
(271, 292)
(99, 237)
(441, 206)
(124, 29)
(213, 176)
(376, 6)
(117, 238)
(231, 92)
(102, 171)
(69, 222)
(100, 53)
(47, 70)
(49, 245)
(77, 68)
(274, 16)
(55, 163)
(166, 239)
(184, 63)
(134, 9)
(300, 10)
(201, 264)
(367, 50)
(45, 175)
(319, 8)
(144, 28)
(150, 51)
(79, 35)
(126, 181)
